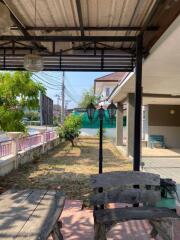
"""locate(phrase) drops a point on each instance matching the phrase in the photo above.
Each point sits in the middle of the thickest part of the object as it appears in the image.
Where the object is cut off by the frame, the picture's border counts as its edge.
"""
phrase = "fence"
(28, 142)
(6, 147)
(49, 135)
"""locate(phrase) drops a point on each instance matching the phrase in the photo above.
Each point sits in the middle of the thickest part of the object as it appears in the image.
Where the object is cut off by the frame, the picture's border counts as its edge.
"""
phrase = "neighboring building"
(56, 110)
(56, 114)
(104, 86)
(161, 94)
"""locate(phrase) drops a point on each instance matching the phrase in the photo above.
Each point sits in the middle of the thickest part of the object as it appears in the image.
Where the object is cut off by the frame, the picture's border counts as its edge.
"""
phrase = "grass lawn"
(67, 168)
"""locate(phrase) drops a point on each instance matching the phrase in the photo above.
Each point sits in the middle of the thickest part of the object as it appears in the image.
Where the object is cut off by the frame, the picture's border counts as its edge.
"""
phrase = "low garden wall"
(13, 159)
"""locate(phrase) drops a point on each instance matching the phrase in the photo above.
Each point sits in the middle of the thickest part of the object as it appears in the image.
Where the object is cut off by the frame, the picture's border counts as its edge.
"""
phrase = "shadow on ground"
(67, 168)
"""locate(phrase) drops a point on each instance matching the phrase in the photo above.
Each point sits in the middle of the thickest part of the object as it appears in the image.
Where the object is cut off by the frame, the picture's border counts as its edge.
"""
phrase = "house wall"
(111, 87)
(145, 123)
(165, 120)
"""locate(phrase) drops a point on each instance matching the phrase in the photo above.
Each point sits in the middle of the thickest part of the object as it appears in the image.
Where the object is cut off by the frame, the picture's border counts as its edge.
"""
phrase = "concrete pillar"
(15, 147)
(119, 124)
(130, 124)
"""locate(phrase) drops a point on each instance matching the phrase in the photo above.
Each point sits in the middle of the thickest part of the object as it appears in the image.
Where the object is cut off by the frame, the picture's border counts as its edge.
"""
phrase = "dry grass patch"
(67, 168)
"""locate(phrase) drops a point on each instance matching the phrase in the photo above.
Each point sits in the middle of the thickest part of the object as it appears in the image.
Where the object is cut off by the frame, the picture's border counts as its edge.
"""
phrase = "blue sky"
(76, 83)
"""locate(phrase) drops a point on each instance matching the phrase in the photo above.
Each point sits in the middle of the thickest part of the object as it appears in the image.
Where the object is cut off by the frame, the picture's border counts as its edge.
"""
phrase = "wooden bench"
(156, 140)
(31, 214)
(131, 188)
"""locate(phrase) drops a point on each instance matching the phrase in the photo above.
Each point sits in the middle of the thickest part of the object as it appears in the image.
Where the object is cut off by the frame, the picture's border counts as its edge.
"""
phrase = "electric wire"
(68, 93)
(51, 84)
(70, 86)
(44, 84)
(46, 74)
(49, 78)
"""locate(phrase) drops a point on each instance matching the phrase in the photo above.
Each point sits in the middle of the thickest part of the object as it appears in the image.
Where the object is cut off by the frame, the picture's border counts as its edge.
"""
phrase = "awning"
(83, 35)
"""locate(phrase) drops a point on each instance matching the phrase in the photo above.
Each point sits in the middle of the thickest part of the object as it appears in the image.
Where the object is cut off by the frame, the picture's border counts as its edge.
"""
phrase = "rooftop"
(112, 77)
(76, 35)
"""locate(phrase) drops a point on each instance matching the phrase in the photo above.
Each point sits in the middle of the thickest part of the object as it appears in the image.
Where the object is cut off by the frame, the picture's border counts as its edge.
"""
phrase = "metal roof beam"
(69, 38)
(70, 70)
(103, 28)
(19, 24)
(72, 56)
(79, 11)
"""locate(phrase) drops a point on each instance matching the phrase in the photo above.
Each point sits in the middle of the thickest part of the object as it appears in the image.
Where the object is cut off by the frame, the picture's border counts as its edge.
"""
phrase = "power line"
(51, 84)
(71, 94)
(70, 86)
(44, 84)
(49, 75)
(68, 93)
(46, 75)
(63, 99)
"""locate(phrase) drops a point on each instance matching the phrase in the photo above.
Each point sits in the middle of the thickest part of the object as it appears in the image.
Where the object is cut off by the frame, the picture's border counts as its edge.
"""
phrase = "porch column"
(119, 124)
(138, 103)
(130, 124)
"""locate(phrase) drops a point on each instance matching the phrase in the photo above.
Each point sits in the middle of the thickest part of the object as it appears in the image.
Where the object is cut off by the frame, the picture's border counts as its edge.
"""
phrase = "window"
(107, 92)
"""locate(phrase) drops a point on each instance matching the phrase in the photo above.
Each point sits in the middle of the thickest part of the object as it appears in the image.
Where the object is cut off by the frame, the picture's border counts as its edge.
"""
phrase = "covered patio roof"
(83, 35)
(161, 72)
(88, 35)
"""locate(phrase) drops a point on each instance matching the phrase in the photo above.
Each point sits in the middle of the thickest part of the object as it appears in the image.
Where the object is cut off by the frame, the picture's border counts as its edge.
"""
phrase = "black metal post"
(101, 146)
(138, 103)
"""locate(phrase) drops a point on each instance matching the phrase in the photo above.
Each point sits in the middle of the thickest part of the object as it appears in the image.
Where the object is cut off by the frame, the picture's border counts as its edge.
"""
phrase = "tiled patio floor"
(160, 152)
(78, 225)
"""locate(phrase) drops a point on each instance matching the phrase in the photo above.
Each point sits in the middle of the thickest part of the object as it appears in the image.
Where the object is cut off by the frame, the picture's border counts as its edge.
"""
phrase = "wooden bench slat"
(131, 196)
(44, 218)
(13, 196)
(15, 211)
(108, 216)
(115, 179)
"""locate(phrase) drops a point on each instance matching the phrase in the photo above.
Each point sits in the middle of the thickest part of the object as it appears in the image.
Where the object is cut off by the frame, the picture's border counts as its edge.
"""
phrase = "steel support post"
(138, 104)
(101, 146)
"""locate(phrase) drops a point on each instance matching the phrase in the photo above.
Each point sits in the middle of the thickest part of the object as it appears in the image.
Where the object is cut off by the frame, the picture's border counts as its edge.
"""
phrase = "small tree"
(32, 115)
(87, 98)
(71, 128)
(17, 92)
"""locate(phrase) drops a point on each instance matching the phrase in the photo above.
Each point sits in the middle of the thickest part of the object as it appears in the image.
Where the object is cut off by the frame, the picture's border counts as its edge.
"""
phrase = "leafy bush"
(32, 115)
(71, 128)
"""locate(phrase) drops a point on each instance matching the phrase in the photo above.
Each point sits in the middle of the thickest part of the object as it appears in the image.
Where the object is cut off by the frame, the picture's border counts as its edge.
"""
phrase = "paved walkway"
(160, 152)
(78, 225)
(166, 167)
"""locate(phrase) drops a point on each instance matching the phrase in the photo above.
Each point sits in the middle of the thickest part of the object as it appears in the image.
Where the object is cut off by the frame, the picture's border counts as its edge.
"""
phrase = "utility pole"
(63, 99)
(58, 110)
(66, 106)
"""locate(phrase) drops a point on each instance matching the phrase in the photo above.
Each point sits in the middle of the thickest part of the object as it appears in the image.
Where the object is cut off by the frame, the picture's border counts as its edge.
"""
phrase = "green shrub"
(71, 128)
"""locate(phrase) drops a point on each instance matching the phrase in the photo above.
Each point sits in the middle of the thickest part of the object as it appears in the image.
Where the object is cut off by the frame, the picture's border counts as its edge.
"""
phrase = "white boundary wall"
(11, 162)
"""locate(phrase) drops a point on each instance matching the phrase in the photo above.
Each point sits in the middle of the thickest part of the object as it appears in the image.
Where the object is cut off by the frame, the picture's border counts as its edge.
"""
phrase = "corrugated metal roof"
(96, 13)
(62, 18)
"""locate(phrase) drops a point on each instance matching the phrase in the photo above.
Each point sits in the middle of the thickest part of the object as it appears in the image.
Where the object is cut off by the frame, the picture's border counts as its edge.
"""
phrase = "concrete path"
(160, 152)
(78, 224)
(166, 167)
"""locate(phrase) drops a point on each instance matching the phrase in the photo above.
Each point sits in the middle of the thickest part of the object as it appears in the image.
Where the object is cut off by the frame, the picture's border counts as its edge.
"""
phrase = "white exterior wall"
(171, 135)
(104, 90)
(109, 132)
(103, 93)
(145, 123)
